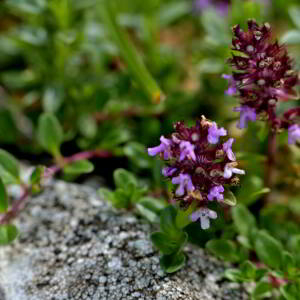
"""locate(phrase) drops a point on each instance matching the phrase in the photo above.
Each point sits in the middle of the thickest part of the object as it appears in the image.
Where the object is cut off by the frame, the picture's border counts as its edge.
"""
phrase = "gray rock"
(73, 245)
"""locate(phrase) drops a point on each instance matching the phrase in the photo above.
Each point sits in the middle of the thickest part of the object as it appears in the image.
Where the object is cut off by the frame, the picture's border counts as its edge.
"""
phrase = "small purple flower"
(293, 134)
(187, 149)
(232, 88)
(185, 182)
(163, 147)
(215, 192)
(227, 149)
(220, 6)
(204, 214)
(246, 114)
(202, 4)
(214, 133)
(168, 171)
(230, 169)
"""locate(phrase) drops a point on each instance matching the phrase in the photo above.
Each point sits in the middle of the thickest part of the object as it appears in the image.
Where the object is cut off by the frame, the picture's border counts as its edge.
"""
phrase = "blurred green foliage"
(86, 75)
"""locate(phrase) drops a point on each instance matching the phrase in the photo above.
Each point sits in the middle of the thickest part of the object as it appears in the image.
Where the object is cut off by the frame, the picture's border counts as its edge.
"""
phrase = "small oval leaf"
(268, 249)
(79, 167)
(9, 164)
(50, 133)
(8, 233)
(3, 198)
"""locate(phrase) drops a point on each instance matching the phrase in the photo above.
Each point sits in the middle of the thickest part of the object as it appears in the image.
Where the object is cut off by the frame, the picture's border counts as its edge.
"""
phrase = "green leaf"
(129, 52)
(233, 275)
(248, 269)
(294, 12)
(260, 273)
(288, 262)
(173, 11)
(153, 203)
(79, 167)
(107, 195)
(50, 133)
(168, 222)
(123, 179)
(224, 249)
(173, 262)
(268, 249)
(229, 198)
(150, 208)
(122, 198)
(37, 175)
(292, 37)
(294, 243)
(9, 164)
(243, 220)
(165, 244)
(290, 291)
(8, 233)
(3, 198)
(254, 196)
(149, 214)
(262, 290)
(53, 98)
(137, 153)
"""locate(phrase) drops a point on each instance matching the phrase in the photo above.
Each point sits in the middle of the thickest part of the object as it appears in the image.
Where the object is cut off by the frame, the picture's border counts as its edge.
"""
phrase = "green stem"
(182, 218)
(129, 53)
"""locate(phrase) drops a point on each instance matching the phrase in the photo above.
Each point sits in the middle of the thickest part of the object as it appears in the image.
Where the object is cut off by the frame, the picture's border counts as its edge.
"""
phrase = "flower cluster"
(262, 76)
(199, 164)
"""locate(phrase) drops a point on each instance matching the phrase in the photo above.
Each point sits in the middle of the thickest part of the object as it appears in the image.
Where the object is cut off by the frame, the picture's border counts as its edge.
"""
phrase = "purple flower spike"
(227, 149)
(168, 171)
(230, 169)
(246, 114)
(293, 134)
(187, 149)
(214, 133)
(215, 192)
(185, 182)
(232, 88)
(204, 214)
(163, 147)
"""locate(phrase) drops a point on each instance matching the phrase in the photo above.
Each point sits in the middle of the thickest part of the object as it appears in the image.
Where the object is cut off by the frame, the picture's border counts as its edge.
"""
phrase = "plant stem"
(270, 163)
(18, 205)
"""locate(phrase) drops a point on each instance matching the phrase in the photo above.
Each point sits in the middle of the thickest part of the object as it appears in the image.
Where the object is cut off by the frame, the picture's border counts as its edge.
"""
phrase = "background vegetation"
(108, 80)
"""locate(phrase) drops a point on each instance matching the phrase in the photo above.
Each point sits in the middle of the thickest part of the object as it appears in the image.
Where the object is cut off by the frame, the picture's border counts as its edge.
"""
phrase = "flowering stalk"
(19, 204)
(262, 77)
(200, 165)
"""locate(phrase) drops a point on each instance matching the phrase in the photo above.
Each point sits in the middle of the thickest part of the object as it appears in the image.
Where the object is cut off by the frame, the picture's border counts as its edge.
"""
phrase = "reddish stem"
(49, 172)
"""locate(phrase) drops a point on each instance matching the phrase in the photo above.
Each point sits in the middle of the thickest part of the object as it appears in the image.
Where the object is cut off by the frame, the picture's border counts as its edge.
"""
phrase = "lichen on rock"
(74, 245)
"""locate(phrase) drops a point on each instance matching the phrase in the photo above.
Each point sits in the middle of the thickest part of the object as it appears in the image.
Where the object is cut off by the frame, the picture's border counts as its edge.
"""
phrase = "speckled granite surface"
(75, 246)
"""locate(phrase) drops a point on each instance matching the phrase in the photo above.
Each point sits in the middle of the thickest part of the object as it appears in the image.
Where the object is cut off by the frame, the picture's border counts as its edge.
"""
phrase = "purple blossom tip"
(293, 134)
(230, 169)
(204, 214)
(185, 183)
(227, 149)
(215, 192)
(164, 148)
(214, 133)
(187, 149)
(232, 87)
(168, 171)
(246, 114)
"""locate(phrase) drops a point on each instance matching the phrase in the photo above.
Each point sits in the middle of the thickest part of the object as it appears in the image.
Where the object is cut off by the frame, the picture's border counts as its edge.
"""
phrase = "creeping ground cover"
(187, 110)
